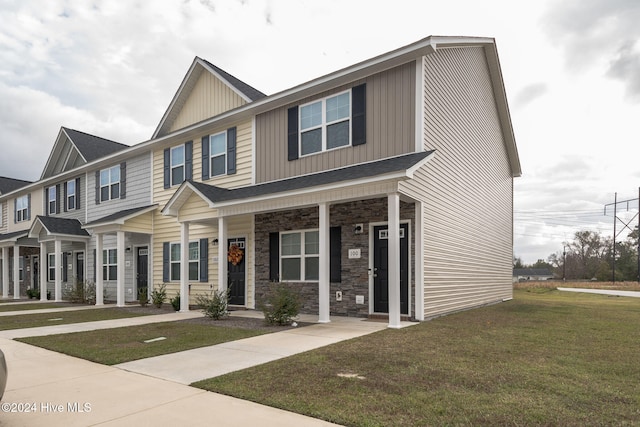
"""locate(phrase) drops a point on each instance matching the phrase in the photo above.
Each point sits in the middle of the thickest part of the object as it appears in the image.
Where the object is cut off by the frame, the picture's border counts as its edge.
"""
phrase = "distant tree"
(517, 262)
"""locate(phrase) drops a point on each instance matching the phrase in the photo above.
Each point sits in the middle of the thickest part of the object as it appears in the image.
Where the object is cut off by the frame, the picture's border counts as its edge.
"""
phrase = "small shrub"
(32, 293)
(282, 306)
(159, 295)
(214, 305)
(81, 292)
(175, 302)
(143, 298)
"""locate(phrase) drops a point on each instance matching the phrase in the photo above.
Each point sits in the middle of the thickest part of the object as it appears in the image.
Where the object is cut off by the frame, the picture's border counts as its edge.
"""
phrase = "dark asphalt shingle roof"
(7, 185)
(116, 216)
(93, 147)
(13, 235)
(249, 91)
(66, 226)
(364, 170)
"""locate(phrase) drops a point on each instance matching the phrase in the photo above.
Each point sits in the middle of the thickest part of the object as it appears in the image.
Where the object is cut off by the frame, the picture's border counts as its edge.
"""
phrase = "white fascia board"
(121, 220)
(223, 80)
(180, 196)
(418, 165)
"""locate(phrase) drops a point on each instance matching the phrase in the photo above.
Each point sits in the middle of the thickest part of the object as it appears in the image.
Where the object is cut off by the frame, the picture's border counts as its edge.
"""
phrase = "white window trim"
(302, 256)
(105, 265)
(21, 213)
(178, 261)
(52, 201)
(74, 195)
(324, 124)
(183, 164)
(211, 155)
(110, 184)
(51, 267)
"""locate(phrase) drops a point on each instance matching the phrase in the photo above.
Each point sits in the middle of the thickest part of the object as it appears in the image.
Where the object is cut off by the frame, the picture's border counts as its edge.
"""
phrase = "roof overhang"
(10, 239)
(117, 221)
(51, 234)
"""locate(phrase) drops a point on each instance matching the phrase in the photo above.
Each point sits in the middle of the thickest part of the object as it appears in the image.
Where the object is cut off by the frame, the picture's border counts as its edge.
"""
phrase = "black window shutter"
(292, 133)
(95, 265)
(188, 160)
(359, 115)
(204, 256)
(165, 261)
(15, 210)
(65, 270)
(167, 169)
(97, 187)
(123, 180)
(77, 193)
(58, 198)
(28, 206)
(231, 150)
(335, 254)
(205, 157)
(46, 202)
(274, 257)
(64, 196)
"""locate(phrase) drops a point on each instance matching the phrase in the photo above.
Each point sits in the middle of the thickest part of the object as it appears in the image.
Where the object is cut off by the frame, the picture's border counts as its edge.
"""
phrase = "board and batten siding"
(390, 108)
(137, 194)
(467, 188)
(209, 97)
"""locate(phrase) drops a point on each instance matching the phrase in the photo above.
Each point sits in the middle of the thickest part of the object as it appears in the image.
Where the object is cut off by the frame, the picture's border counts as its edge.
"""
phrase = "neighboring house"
(525, 274)
(382, 189)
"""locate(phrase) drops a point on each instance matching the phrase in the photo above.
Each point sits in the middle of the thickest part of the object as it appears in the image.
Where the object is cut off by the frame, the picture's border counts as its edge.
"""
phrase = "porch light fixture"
(357, 229)
(214, 242)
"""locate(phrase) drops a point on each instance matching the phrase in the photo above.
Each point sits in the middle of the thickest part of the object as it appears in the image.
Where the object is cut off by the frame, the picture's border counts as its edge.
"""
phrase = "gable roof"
(56, 226)
(8, 185)
(121, 216)
(13, 236)
(380, 169)
(74, 148)
(246, 92)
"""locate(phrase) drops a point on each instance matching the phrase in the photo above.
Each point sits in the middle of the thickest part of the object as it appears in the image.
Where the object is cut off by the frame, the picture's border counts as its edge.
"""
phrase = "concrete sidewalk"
(60, 390)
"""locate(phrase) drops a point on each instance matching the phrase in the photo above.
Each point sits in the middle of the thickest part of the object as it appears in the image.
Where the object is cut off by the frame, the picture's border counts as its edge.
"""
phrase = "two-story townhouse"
(8, 185)
(382, 189)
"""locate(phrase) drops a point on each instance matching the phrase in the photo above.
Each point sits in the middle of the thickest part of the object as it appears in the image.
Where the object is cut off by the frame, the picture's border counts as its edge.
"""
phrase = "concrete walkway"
(52, 389)
(632, 294)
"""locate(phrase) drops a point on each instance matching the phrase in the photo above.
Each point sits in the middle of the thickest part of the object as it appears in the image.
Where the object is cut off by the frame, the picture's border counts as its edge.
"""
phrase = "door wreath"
(235, 254)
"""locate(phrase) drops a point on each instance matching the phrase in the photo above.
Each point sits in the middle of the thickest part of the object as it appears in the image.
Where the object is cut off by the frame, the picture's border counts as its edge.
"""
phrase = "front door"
(381, 269)
(80, 266)
(142, 267)
(236, 270)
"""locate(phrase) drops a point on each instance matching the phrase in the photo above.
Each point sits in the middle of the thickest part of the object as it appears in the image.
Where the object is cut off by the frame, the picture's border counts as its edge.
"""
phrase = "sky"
(571, 70)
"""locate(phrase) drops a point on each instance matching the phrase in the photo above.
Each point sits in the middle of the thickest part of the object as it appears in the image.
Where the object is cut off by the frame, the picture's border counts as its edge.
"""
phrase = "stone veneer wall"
(355, 272)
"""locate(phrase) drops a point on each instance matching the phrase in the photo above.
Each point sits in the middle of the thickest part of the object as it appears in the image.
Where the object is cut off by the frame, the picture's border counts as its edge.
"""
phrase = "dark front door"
(80, 266)
(142, 267)
(381, 269)
(236, 271)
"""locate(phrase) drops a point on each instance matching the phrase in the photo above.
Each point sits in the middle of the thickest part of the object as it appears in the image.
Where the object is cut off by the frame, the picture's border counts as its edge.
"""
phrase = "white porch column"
(99, 275)
(58, 262)
(43, 271)
(120, 282)
(222, 253)
(16, 272)
(324, 286)
(5, 272)
(184, 266)
(394, 260)
(419, 259)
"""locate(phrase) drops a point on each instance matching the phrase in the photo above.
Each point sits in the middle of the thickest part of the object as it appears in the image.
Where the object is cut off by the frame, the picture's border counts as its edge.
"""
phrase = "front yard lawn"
(31, 306)
(119, 345)
(544, 358)
(22, 321)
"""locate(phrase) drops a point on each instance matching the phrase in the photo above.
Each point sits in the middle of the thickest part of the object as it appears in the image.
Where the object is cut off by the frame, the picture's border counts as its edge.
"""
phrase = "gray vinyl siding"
(390, 112)
(78, 214)
(467, 188)
(138, 189)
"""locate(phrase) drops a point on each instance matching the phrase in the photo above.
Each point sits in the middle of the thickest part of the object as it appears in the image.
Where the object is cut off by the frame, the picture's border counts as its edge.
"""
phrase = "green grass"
(22, 321)
(544, 358)
(30, 306)
(119, 345)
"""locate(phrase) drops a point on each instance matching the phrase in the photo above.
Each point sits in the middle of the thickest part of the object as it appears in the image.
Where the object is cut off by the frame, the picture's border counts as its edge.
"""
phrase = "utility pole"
(615, 236)
(624, 225)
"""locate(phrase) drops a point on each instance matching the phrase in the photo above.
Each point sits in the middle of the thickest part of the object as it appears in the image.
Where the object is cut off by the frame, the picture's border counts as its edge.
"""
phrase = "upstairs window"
(218, 150)
(22, 208)
(110, 184)
(71, 195)
(325, 124)
(177, 165)
(52, 200)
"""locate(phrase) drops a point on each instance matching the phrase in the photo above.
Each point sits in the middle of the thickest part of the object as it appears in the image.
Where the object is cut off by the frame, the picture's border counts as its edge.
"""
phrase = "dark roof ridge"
(252, 93)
